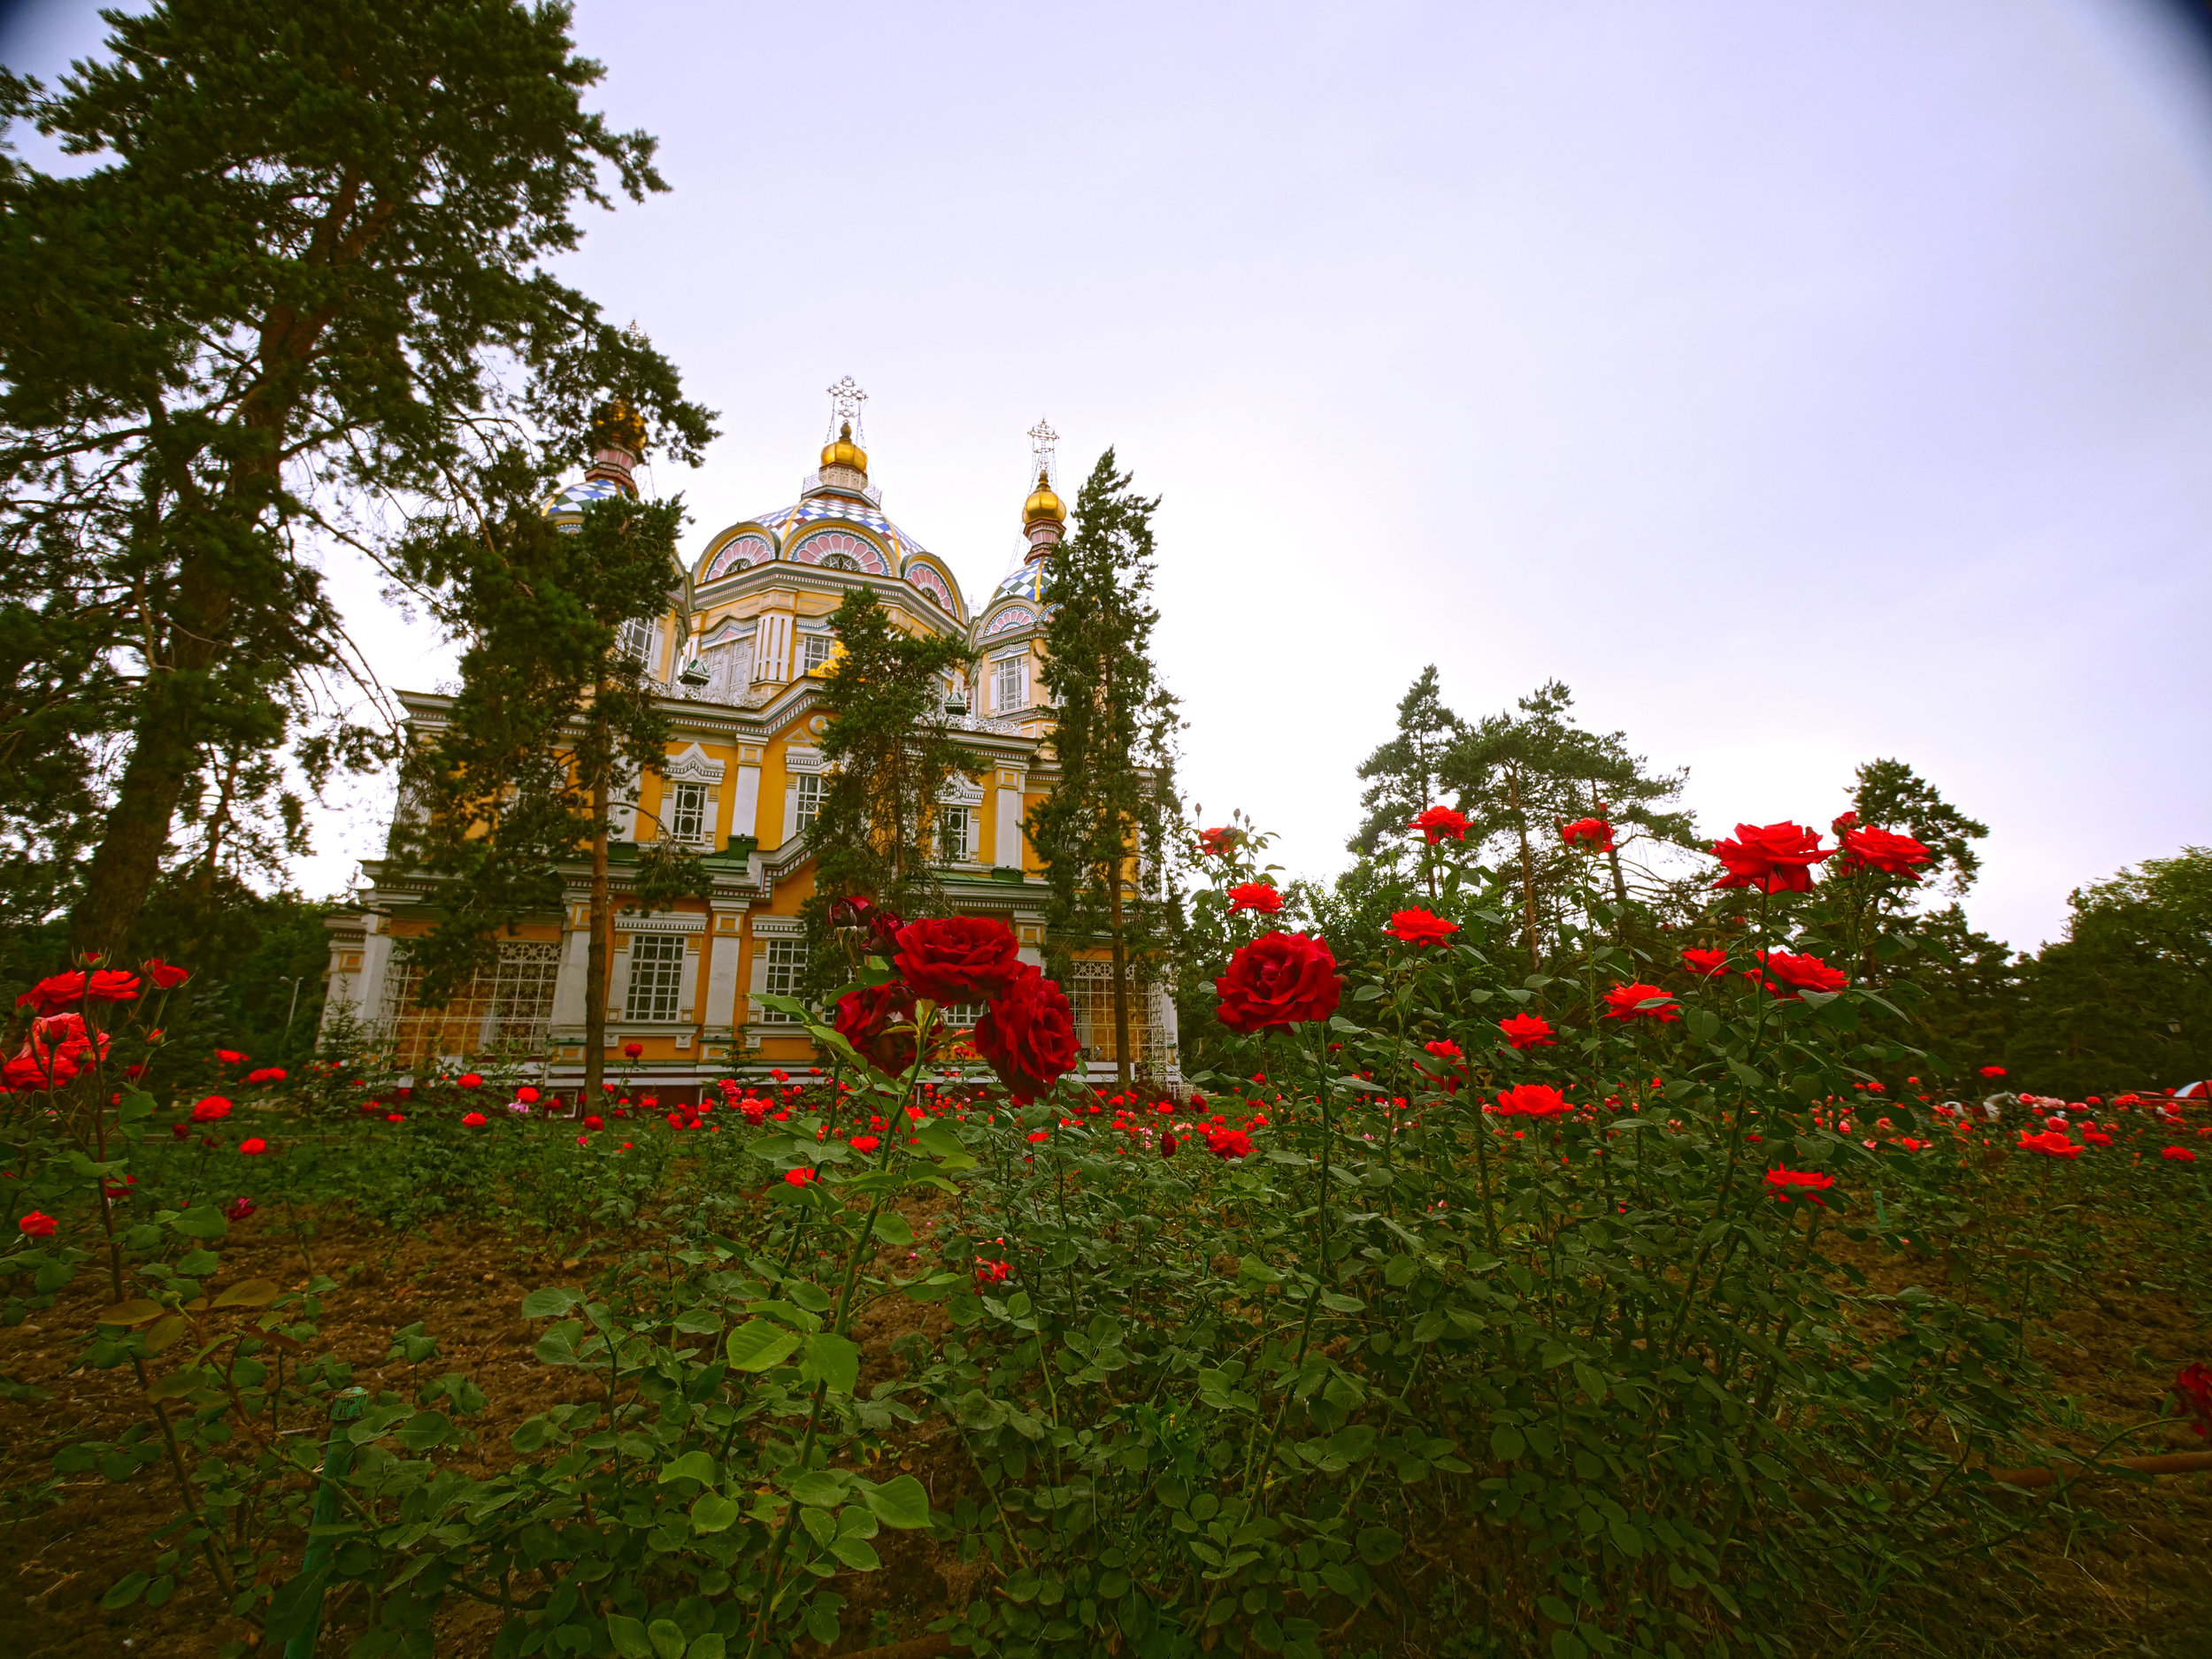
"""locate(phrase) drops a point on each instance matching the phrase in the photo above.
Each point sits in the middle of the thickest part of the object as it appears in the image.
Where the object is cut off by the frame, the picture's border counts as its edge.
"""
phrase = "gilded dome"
(1043, 507)
(844, 451)
(616, 426)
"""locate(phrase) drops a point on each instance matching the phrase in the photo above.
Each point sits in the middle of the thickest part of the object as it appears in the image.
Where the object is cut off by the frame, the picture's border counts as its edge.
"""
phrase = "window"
(815, 649)
(508, 1006)
(1091, 993)
(686, 817)
(635, 641)
(787, 961)
(960, 1015)
(656, 976)
(1009, 683)
(808, 788)
(956, 829)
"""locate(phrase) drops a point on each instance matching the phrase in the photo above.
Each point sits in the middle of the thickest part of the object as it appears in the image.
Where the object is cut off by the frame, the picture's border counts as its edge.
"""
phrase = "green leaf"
(252, 1292)
(628, 1636)
(857, 1552)
(203, 1221)
(831, 1359)
(892, 1228)
(709, 1645)
(711, 1512)
(1338, 1303)
(1506, 1443)
(786, 1005)
(126, 1592)
(757, 1345)
(1258, 1271)
(939, 1140)
(691, 1466)
(138, 1310)
(667, 1638)
(902, 1503)
(818, 1490)
(136, 1107)
(548, 1302)
(1379, 1544)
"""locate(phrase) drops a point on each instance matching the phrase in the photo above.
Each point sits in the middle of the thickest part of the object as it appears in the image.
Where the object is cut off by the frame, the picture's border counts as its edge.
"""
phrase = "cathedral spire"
(1044, 517)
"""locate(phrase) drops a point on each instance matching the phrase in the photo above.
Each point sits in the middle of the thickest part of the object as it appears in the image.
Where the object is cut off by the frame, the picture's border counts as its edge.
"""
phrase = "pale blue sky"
(1801, 383)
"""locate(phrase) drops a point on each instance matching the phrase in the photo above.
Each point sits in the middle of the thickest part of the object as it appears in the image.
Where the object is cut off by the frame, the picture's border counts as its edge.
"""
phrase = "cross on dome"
(846, 398)
(1044, 449)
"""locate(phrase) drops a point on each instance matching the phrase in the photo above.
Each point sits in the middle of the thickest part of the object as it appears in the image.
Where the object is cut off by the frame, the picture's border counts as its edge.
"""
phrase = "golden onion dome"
(1043, 507)
(845, 452)
(616, 426)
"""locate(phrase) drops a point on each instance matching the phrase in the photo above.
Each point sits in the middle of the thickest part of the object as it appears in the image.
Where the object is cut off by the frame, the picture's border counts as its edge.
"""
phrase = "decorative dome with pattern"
(1027, 582)
(576, 497)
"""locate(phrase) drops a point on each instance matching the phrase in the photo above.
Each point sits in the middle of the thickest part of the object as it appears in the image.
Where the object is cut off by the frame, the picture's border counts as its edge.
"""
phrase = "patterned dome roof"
(783, 521)
(1026, 582)
(576, 497)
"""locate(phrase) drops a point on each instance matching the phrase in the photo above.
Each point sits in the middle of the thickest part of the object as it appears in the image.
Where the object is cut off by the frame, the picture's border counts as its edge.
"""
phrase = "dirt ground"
(2131, 1577)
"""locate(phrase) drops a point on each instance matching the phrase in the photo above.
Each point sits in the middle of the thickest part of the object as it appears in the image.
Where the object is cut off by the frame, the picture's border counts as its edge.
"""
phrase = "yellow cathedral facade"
(740, 655)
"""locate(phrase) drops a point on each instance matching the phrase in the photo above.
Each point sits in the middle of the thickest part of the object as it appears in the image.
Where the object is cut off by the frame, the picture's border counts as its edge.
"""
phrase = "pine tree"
(886, 756)
(1104, 827)
(1405, 775)
(550, 718)
(1889, 795)
(302, 285)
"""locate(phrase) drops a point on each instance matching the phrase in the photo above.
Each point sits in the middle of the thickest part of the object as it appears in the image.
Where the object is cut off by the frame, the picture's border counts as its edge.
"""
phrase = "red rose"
(1705, 964)
(527, 1096)
(1627, 1001)
(1219, 843)
(1420, 927)
(1591, 834)
(1255, 895)
(1992, 1071)
(38, 1224)
(254, 1148)
(798, 1178)
(212, 1110)
(1437, 822)
(1532, 1100)
(1528, 1031)
(2179, 1155)
(238, 1208)
(880, 1023)
(2052, 1143)
(1807, 1183)
(64, 990)
(1168, 1143)
(1277, 979)
(1774, 857)
(231, 1057)
(166, 976)
(2194, 1384)
(958, 958)
(266, 1074)
(633, 1050)
(1878, 850)
(468, 1079)
(1229, 1145)
(474, 1120)
(1027, 1035)
(1801, 973)
(866, 1143)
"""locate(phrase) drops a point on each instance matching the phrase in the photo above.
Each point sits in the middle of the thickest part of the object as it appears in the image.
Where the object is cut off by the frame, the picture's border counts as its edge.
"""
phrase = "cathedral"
(740, 655)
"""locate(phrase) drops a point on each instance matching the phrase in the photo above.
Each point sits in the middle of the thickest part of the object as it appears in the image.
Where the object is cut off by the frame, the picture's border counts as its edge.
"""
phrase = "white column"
(722, 977)
(1006, 849)
(568, 985)
(745, 810)
(687, 994)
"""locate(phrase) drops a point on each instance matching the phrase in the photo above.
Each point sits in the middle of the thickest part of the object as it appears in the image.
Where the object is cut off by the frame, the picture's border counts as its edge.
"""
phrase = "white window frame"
(815, 651)
(1010, 682)
(784, 961)
(639, 638)
(957, 836)
(654, 993)
(689, 817)
(806, 788)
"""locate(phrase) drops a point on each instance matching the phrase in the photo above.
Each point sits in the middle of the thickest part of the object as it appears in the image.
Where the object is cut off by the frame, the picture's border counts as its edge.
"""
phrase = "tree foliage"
(303, 282)
(1100, 833)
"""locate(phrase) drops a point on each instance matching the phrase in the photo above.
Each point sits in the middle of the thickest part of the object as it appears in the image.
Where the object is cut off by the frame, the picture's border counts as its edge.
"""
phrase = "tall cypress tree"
(1405, 774)
(1105, 821)
(550, 715)
(303, 277)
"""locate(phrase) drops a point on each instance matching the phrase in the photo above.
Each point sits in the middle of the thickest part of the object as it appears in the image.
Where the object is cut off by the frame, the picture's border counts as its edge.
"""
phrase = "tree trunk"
(1121, 969)
(127, 862)
(595, 958)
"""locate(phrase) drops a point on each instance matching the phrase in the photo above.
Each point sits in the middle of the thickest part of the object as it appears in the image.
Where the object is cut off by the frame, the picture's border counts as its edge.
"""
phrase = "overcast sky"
(1800, 383)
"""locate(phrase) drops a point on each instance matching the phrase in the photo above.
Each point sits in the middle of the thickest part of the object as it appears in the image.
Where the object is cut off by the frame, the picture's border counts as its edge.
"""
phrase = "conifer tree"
(886, 756)
(1889, 795)
(1103, 827)
(300, 284)
(550, 718)
(1405, 775)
